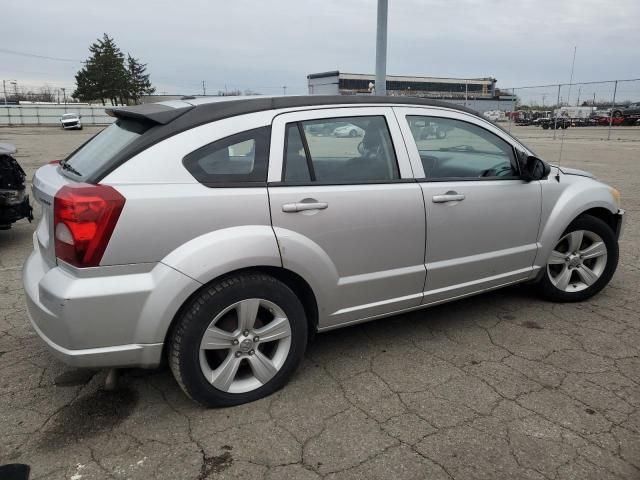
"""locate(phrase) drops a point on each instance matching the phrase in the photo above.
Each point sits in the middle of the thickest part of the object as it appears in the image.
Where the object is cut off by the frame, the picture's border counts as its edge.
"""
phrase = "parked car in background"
(14, 199)
(219, 234)
(348, 130)
(71, 121)
(633, 109)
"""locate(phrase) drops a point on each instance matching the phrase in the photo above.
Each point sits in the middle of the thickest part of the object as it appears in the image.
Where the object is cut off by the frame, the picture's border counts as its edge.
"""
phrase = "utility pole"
(204, 89)
(284, 90)
(4, 89)
(381, 49)
(64, 95)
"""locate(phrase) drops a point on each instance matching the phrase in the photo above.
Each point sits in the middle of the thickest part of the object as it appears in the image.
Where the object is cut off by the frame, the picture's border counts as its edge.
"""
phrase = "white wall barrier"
(30, 114)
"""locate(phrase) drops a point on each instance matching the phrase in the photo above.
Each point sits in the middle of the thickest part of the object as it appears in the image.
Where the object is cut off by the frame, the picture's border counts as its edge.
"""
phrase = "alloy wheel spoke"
(587, 275)
(277, 329)
(563, 278)
(223, 376)
(575, 240)
(216, 339)
(262, 367)
(247, 313)
(595, 250)
(557, 258)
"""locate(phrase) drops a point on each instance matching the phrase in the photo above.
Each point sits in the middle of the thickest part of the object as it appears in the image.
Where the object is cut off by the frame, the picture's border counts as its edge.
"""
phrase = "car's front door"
(482, 218)
(347, 213)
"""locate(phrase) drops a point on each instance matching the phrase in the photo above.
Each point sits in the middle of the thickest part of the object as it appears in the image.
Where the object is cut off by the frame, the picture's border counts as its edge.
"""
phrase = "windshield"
(69, 115)
(98, 151)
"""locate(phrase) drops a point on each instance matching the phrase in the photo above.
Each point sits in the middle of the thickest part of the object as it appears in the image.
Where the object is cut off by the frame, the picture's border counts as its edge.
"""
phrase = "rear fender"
(211, 255)
(306, 258)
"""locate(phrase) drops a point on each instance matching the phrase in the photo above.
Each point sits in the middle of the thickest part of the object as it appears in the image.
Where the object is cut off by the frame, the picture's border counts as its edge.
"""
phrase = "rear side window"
(241, 158)
(340, 150)
(97, 152)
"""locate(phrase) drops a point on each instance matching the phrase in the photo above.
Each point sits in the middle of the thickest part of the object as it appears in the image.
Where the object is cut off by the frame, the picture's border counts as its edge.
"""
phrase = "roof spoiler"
(150, 112)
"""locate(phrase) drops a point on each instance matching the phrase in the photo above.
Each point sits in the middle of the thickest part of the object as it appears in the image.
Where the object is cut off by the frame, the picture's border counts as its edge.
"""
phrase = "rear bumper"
(106, 320)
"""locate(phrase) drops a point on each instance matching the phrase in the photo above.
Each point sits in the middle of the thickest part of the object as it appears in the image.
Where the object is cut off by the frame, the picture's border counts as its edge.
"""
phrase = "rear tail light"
(84, 217)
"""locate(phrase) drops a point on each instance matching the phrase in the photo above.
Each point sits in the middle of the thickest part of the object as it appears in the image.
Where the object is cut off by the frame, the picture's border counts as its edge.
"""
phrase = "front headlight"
(616, 196)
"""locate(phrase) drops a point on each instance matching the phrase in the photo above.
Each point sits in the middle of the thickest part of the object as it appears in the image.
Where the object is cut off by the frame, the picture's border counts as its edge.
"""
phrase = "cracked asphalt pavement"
(498, 386)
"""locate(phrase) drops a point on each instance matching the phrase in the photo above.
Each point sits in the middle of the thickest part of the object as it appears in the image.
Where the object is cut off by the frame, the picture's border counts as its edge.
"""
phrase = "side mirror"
(534, 169)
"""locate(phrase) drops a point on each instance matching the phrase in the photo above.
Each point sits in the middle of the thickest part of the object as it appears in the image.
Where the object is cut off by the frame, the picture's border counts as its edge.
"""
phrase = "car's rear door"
(482, 218)
(347, 213)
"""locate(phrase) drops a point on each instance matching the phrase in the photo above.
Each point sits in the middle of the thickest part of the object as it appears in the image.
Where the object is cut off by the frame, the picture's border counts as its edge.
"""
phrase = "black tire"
(597, 226)
(184, 341)
(545, 126)
(353, 133)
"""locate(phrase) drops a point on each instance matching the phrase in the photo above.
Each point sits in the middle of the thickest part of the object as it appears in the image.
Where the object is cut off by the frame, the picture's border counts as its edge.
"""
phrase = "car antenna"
(564, 133)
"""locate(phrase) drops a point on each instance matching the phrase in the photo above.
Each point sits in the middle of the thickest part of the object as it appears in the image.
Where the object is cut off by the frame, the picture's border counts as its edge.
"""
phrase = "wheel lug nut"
(238, 354)
(251, 352)
(235, 342)
(246, 333)
(256, 339)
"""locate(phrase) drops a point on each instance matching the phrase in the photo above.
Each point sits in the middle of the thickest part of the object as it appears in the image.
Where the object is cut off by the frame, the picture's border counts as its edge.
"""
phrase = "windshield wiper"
(66, 166)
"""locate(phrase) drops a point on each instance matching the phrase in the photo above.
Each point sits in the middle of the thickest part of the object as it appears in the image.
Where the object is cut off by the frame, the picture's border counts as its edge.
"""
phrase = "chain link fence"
(613, 106)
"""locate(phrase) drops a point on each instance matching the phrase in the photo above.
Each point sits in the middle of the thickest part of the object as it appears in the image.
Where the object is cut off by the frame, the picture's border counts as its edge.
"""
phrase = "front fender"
(562, 203)
(213, 254)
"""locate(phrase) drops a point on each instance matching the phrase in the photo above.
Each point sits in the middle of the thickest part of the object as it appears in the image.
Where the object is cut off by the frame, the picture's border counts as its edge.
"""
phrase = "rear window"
(98, 151)
(241, 159)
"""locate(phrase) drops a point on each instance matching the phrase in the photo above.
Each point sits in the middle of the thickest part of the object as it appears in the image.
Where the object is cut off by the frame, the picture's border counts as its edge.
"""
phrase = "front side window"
(455, 149)
(239, 158)
(340, 150)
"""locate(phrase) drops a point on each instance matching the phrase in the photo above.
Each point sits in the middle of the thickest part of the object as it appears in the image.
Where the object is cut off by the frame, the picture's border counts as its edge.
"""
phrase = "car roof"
(167, 119)
(190, 112)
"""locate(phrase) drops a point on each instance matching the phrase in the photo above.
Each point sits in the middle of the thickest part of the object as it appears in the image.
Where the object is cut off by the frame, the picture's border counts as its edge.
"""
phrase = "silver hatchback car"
(223, 234)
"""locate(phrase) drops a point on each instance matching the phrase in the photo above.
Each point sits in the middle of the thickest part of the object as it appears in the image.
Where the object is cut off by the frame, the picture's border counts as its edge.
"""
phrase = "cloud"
(265, 45)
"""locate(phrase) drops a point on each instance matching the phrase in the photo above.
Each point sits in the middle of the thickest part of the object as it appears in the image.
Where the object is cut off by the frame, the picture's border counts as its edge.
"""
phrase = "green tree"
(105, 76)
(137, 79)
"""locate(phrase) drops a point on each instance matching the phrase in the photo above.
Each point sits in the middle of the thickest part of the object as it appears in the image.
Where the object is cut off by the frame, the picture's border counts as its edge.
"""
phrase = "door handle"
(301, 206)
(448, 197)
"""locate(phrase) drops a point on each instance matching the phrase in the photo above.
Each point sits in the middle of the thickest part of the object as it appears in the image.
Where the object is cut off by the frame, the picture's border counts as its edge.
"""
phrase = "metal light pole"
(613, 105)
(4, 89)
(381, 49)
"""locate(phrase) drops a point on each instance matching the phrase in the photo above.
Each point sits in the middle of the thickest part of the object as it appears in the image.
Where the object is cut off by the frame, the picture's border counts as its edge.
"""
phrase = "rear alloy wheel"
(582, 261)
(238, 341)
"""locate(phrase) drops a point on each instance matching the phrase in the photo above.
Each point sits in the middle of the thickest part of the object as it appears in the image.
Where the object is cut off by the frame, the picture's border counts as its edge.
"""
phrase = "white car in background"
(71, 121)
(348, 130)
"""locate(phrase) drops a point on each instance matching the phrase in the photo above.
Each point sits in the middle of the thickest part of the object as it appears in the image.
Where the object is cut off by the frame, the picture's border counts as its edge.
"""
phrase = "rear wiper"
(66, 166)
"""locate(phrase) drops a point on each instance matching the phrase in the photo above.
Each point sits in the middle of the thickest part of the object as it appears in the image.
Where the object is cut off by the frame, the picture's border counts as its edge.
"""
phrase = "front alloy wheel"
(578, 261)
(582, 262)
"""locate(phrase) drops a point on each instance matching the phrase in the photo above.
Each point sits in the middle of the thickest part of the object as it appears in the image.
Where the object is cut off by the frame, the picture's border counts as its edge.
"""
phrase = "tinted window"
(455, 149)
(295, 167)
(98, 151)
(338, 150)
(238, 158)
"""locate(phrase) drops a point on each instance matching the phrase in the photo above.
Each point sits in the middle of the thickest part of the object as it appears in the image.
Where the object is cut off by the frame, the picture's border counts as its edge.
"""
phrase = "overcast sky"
(263, 45)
